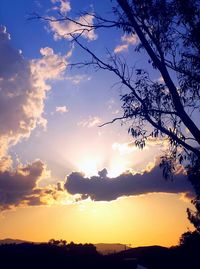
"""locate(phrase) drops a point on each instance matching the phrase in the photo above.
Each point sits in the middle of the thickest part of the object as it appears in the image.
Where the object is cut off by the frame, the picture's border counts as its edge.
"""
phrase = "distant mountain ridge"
(13, 241)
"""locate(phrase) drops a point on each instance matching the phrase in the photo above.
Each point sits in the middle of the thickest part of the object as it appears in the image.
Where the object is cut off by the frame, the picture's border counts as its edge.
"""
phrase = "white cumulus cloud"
(64, 29)
(23, 88)
(64, 6)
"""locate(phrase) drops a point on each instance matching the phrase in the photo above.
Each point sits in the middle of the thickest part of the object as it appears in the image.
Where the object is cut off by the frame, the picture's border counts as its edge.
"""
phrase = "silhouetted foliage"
(194, 178)
(55, 254)
(191, 240)
(189, 247)
(156, 257)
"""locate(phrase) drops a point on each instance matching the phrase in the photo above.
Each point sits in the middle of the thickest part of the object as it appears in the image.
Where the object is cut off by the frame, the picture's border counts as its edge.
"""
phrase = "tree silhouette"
(194, 178)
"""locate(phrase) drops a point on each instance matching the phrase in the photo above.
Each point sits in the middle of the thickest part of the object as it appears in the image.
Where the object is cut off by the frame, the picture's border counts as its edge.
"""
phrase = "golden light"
(117, 167)
(89, 167)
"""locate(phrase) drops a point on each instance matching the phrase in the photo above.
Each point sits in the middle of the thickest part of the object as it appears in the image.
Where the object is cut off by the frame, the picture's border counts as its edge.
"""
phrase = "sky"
(61, 175)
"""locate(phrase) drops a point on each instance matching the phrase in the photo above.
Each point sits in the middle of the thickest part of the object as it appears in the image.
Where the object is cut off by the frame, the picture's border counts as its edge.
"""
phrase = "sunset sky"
(61, 175)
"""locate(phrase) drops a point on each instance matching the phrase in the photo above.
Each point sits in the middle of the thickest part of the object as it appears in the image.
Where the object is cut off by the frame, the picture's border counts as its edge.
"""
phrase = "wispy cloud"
(120, 48)
(77, 79)
(125, 148)
(130, 39)
(62, 109)
(127, 41)
(115, 112)
(90, 122)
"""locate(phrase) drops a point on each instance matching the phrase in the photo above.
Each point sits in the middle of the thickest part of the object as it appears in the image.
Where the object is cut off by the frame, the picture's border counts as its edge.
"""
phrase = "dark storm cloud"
(103, 188)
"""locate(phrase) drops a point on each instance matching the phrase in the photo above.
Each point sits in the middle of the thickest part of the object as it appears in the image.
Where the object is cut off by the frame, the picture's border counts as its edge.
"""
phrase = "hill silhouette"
(57, 253)
(13, 241)
(157, 257)
(60, 254)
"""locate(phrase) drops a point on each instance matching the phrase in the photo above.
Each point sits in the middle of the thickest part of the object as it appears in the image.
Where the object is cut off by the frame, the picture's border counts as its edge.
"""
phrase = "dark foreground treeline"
(58, 254)
(184, 256)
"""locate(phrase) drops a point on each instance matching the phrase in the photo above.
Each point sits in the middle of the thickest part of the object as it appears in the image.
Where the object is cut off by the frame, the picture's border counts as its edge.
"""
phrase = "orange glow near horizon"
(154, 219)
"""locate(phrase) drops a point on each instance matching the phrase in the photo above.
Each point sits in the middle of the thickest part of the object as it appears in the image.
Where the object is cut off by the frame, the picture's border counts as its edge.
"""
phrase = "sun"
(91, 164)
(89, 167)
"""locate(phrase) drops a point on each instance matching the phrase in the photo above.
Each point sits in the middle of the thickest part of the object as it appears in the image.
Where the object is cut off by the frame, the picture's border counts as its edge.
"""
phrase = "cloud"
(127, 41)
(125, 148)
(23, 88)
(90, 122)
(121, 48)
(5, 163)
(62, 109)
(129, 147)
(130, 39)
(19, 186)
(115, 112)
(64, 6)
(77, 79)
(64, 29)
(103, 188)
(50, 67)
